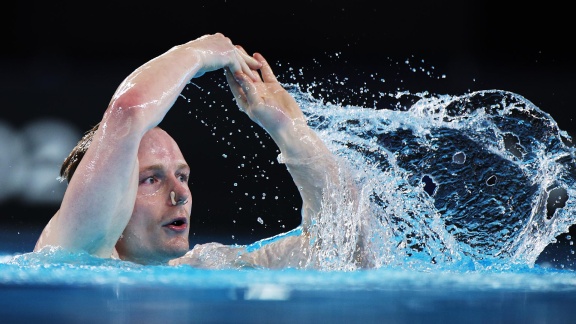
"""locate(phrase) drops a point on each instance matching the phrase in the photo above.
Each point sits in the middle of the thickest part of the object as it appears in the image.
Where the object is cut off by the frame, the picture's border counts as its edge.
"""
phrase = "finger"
(250, 93)
(236, 89)
(266, 70)
(251, 61)
(246, 90)
(249, 65)
(242, 49)
(249, 57)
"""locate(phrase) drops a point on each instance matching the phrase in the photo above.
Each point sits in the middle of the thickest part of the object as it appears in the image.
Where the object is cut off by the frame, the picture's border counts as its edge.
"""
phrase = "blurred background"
(61, 63)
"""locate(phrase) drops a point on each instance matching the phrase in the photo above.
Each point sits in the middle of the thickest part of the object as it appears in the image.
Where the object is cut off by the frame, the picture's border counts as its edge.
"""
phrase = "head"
(159, 225)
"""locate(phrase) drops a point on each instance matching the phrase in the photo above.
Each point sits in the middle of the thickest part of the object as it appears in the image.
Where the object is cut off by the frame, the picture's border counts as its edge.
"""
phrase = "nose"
(178, 199)
(179, 195)
(182, 200)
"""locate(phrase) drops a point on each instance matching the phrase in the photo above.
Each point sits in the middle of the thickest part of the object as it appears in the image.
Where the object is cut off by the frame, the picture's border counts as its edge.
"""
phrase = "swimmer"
(128, 194)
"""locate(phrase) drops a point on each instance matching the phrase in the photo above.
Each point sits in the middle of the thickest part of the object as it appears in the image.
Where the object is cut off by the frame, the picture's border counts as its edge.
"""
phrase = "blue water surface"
(81, 288)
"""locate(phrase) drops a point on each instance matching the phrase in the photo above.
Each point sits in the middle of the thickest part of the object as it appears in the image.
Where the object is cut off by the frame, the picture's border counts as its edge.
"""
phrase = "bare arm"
(100, 197)
(325, 184)
(313, 168)
(288, 250)
(322, 182)
(310, 163)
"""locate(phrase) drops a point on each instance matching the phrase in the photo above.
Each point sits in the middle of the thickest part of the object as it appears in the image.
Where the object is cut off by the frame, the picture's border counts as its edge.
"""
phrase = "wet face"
(158, 229)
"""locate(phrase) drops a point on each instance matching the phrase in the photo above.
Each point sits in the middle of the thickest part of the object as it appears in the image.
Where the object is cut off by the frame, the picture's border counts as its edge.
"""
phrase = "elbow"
(129, 109)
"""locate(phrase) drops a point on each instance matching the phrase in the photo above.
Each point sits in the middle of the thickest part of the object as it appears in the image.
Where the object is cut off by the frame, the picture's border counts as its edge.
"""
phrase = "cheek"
(144, 208)
(148, 198)
(149, 191)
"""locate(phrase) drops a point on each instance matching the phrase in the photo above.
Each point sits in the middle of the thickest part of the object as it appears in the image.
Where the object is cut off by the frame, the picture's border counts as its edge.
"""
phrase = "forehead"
(159, 147)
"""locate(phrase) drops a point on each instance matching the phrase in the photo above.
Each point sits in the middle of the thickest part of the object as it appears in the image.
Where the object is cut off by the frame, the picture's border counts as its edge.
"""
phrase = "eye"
(148, 180)
(183, 177)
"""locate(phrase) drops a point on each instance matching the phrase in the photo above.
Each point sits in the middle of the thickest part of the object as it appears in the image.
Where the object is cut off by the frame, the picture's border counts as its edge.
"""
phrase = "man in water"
(128, 194)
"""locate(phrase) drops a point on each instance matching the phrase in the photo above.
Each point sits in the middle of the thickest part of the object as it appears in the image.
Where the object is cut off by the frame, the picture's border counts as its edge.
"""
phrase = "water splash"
(484, 179)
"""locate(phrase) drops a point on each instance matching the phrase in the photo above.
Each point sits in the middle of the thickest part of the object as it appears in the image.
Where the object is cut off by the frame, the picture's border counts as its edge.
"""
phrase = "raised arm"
(100, 196)
(309, 161)
(314, 169)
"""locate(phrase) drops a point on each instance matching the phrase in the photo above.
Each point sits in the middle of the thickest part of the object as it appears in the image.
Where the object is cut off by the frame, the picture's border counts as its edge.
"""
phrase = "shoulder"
(47, 237)
(115, 255)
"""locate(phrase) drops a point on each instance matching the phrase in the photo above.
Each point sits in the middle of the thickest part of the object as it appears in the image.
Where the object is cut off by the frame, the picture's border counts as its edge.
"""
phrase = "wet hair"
(71, 162)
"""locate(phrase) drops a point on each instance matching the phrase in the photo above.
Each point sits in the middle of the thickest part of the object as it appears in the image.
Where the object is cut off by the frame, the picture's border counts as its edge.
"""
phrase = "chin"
(177, 248)
(165, 256)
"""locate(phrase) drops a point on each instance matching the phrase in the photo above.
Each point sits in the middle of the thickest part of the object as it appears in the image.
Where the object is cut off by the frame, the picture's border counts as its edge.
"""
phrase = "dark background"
(65, 60)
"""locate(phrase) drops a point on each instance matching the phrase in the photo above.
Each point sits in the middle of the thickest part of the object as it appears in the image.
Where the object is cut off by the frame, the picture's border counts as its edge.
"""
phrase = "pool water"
(97, 291)
(61, 287)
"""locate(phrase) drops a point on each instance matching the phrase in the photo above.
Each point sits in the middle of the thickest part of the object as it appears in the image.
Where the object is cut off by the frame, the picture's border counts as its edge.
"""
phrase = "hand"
(217, 51)
(266, 102)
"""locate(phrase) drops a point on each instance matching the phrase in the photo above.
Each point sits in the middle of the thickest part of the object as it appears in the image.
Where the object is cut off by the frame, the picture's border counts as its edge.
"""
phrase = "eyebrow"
(154, 167)
(157, 167)
(183, 166)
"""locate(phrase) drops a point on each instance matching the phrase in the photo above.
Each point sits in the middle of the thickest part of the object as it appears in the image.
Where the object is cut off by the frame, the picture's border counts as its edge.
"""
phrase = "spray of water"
(484, 179)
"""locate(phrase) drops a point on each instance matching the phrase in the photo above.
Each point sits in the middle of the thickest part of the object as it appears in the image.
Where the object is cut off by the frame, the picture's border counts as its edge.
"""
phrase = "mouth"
(178, 224)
